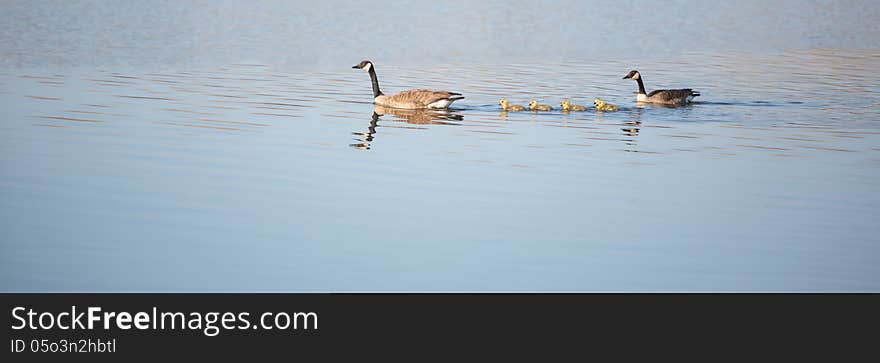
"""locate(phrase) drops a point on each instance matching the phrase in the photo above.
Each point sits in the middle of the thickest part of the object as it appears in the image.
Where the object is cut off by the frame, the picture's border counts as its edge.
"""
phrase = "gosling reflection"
(630, 131)
(414, 117)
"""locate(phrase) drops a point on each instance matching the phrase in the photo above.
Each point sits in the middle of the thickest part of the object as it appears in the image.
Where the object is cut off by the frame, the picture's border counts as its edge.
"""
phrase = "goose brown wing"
(423, 96)
(672, 94)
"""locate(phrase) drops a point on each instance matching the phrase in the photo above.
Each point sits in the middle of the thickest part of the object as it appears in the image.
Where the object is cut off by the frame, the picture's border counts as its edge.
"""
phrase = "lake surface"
(177, 146)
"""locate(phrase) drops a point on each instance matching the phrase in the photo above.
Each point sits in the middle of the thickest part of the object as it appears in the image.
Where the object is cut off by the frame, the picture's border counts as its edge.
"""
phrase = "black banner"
(331, 327)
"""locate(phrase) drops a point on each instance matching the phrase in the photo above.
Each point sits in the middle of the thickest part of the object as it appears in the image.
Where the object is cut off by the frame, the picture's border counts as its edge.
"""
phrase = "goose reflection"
(364, 138)
(413, 117)
(631, 129)
(644, 105)
(419, 117)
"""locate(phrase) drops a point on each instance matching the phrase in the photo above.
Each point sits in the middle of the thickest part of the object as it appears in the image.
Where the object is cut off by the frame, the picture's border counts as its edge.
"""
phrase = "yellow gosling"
(534, 106)
(567, 106)
(601, 105)
(506, 106)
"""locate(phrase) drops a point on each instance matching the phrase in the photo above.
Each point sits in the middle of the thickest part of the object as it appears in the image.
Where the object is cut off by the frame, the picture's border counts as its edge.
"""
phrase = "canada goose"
(506, 106)
(411, 99)
(534, 106)
(602, 106)
(664, 96)
(567, 106)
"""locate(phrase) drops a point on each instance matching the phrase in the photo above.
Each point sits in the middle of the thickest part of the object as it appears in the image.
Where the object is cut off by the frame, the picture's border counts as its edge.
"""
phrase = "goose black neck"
(376, 91)
(641, 86)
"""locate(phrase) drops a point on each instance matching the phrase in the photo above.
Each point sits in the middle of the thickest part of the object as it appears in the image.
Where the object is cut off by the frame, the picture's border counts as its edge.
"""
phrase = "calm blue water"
(229, 146)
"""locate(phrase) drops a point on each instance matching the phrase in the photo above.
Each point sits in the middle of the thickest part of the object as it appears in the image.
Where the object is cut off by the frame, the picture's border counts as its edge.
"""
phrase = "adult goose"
(411, 99)
(662, 96)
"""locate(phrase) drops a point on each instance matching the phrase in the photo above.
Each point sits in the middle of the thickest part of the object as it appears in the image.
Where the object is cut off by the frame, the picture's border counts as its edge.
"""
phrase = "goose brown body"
(419, 98)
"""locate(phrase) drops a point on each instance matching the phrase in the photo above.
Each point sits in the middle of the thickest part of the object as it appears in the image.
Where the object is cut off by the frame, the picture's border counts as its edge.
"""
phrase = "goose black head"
(632, 75)
(365, 65)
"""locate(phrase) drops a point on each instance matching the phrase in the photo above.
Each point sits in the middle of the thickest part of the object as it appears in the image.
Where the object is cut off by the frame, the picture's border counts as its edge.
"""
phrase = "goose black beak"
(626, 77)
(354, 67)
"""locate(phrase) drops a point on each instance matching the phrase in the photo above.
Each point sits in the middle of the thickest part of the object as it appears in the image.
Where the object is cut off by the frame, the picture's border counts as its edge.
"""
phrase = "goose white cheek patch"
(367, 67)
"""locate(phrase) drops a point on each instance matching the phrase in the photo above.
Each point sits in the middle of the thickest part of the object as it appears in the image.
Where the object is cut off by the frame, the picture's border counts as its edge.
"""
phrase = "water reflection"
(631, 129)
(644, 105)
(420, 117)
(413, 117)
(365, 138)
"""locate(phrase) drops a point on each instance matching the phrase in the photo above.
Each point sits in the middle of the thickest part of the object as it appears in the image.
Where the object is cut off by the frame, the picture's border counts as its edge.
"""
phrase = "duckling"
(534, 106)
(567, 106)
(602, 106)
(506, 106)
